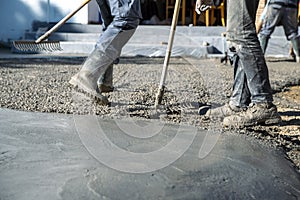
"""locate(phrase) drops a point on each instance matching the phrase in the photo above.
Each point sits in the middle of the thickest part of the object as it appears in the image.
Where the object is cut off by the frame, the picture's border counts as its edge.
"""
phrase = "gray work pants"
(251, 77)
(120, 20)
(288, 18)
(285, 16)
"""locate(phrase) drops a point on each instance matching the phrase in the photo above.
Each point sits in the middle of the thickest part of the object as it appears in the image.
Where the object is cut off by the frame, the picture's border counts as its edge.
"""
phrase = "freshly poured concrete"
(55, 156)
(43, 157)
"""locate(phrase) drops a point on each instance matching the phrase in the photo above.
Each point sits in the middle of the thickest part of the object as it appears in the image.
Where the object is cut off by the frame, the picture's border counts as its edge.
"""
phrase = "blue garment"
(278, 13)
(120, 20)
(251, 77)
(123, 11)
(287, 3)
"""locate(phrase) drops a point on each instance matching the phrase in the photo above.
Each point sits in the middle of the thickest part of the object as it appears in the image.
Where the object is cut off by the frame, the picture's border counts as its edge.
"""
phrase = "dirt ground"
(42, 85)
(289, 130)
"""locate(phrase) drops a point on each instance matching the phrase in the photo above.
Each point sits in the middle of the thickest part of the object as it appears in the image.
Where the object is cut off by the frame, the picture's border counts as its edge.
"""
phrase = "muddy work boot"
(82, 82)
(222, 111)
(105, 88)
(105, 81)
(257, 114)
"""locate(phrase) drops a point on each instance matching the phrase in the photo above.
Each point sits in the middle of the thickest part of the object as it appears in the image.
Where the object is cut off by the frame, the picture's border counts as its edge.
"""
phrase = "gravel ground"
(42, 85)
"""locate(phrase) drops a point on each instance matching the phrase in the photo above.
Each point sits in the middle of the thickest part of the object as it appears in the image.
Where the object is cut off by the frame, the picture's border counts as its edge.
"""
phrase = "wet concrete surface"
(46, 155)
(42, 157)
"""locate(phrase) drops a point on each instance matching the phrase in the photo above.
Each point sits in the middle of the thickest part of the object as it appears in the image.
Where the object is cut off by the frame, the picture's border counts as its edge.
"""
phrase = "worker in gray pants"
(251, 100)
(284, 12)
(120, 20)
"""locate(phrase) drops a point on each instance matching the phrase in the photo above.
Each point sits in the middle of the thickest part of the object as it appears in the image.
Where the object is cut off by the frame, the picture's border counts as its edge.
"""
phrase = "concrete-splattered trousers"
(286, 14)
(120, 20)
(251, 76)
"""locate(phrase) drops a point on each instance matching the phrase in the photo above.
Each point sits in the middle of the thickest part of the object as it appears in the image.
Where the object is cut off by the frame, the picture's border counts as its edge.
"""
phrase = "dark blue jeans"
(251, 77)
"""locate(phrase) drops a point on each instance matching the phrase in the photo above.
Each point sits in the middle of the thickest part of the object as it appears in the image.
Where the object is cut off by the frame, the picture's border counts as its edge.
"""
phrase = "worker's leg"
(251, 70)
(108, 47)
(273, 17)
(290, 25)
(296, 46)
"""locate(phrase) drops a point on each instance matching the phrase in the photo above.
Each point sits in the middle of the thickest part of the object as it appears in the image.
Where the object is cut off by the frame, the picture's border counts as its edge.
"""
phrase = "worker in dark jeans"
(283, 12)
(120, 20)
(251, 99)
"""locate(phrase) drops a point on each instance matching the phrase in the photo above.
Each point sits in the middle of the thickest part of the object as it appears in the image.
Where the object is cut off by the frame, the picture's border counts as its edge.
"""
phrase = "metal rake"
(39, 45)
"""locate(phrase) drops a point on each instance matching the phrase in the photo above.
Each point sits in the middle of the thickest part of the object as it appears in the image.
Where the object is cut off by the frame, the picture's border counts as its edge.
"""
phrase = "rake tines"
(39, 46)
(32, 46)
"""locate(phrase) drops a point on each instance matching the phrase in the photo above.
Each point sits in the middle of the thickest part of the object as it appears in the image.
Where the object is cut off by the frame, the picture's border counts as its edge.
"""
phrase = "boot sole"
(270, 121)
(275, 120)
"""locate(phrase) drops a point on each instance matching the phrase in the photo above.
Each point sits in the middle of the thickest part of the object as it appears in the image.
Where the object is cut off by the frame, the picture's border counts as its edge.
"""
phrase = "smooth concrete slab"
(55, 156)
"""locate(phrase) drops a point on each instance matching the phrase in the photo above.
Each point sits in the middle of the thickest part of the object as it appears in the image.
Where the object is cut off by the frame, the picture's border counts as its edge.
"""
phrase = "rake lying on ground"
(41, 45)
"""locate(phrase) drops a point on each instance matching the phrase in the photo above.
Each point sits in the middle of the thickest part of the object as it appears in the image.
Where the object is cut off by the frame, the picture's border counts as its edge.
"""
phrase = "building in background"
(17, 16)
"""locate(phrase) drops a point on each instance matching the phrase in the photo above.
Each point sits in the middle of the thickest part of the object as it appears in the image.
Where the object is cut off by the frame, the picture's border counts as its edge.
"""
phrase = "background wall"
(17, 15)
(93, 12)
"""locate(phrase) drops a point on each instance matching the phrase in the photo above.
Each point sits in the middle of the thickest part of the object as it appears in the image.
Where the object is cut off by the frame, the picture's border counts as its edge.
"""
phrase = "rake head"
(33, 47)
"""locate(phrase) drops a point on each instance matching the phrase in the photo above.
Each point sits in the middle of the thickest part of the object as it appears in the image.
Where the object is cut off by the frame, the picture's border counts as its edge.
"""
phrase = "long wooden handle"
(161, 88)
(61, 22)
(170, 42)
